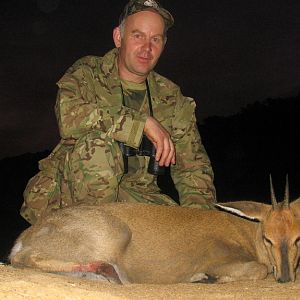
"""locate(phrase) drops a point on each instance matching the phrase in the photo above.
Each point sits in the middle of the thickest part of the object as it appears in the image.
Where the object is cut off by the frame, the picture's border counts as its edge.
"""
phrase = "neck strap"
(148, 97)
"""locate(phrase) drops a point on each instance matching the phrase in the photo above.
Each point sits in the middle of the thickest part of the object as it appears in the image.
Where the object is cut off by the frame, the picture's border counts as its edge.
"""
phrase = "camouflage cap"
(135, 6)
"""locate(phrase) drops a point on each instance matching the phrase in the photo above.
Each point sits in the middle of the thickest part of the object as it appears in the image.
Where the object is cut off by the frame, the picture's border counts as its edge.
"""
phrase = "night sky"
(223, 53)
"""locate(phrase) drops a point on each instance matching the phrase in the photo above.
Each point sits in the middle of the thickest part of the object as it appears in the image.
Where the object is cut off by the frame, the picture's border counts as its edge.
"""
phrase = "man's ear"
(117, 37)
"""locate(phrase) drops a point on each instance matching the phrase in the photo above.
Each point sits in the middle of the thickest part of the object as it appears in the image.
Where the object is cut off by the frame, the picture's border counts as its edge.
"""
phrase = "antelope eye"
(297, 241)
(267, 241)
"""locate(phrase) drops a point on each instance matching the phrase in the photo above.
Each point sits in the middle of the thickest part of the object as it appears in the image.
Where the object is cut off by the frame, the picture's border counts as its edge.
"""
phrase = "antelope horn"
(273, 198)
(286, 193)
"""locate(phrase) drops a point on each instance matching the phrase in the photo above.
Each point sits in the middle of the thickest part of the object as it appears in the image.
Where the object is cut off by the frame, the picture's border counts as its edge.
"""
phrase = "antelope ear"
(295, 206)
(247, 209)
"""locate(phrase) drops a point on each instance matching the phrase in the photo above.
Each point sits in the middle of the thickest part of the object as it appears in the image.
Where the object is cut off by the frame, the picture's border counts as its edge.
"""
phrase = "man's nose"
(147, 45)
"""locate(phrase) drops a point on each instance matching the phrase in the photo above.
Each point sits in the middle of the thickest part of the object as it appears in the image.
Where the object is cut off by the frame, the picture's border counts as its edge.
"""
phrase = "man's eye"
(157, 40)
(137, 36)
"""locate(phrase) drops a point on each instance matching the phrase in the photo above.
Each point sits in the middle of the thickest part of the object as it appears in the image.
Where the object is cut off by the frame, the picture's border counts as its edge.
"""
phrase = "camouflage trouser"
(91, 172)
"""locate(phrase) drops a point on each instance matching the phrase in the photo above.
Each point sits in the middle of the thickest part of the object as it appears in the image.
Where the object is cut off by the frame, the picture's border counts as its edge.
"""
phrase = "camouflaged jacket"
(90, 99)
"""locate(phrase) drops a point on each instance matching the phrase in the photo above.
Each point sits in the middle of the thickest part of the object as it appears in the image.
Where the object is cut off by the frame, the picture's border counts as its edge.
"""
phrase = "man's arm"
(192, 174)
(160, 137)
(82, 107)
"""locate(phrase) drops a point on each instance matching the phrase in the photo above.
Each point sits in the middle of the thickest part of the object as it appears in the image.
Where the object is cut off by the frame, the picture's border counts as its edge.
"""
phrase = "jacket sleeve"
(84, 104)
(192, 174)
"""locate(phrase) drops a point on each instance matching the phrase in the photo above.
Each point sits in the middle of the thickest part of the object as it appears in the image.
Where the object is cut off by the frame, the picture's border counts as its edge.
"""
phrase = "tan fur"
(160, 244)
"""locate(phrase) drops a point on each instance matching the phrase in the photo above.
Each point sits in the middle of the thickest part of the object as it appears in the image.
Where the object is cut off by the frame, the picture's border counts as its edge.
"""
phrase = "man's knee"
(94, 169)
(41, 192)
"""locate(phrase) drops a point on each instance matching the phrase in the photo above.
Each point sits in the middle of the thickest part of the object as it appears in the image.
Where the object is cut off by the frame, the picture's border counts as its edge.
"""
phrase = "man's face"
(140, 46)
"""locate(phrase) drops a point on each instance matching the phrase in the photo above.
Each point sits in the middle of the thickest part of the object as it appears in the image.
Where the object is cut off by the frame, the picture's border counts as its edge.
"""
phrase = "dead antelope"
(137, 243)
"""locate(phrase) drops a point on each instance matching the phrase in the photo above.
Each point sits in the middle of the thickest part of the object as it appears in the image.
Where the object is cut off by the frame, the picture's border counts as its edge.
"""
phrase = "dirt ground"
(28, 284)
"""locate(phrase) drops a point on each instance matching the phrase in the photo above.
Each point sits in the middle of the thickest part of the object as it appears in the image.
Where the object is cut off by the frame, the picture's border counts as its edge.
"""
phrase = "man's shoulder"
(90, 60)
(166, 88)
(93, 62)
(89, 67)
(163, 83)
(83, 68)
(85, 62)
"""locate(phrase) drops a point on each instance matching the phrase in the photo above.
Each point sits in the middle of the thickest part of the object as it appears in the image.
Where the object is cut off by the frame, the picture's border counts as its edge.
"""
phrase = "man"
(109, 105)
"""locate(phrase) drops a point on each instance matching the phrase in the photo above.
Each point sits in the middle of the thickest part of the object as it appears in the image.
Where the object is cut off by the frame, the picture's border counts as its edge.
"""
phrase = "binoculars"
(146, 148)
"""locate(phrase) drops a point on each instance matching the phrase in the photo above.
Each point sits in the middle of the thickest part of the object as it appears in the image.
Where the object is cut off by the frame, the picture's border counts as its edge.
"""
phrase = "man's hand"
(160, 137)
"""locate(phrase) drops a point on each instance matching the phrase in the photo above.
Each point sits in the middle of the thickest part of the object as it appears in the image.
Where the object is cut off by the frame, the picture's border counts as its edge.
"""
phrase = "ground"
(29, 284)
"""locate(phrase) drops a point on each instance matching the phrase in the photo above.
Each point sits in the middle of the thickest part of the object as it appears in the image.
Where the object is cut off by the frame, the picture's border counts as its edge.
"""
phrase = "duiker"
(137, 243)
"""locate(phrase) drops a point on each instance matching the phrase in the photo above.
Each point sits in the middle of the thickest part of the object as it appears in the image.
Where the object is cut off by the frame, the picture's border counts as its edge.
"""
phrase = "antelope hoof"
(203, 278)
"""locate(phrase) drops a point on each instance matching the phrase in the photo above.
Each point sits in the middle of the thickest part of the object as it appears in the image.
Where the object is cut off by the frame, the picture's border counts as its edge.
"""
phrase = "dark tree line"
(244, 149)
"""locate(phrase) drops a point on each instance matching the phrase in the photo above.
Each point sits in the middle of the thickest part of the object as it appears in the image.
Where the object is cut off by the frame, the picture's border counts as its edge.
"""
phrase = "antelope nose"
(283, 279)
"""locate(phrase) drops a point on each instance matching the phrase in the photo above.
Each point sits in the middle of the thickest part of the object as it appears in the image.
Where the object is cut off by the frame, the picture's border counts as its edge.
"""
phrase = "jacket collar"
(111, 72)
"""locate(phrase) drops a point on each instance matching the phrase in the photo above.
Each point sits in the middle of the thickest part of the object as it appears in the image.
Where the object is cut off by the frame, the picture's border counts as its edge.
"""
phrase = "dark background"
(224, 53)
(240, 60)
